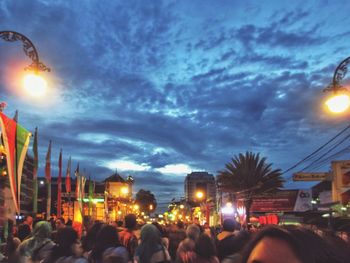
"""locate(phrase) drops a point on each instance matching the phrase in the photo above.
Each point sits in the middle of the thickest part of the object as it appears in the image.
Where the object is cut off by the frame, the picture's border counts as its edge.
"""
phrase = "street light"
(33, 83)
(199, 195)
(125, 190)
(340, 100)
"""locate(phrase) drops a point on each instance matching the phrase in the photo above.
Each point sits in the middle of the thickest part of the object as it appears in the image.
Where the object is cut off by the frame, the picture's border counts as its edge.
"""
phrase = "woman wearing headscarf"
(38, 246)
(151, 248)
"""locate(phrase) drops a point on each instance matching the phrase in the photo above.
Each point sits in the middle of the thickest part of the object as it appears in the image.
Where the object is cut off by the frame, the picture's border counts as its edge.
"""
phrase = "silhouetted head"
(130, 221)
(229, 225)
(205, 247)
(292, 244)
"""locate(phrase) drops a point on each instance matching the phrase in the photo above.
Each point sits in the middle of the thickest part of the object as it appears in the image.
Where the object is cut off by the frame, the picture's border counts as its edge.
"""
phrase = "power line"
(316, 151)
(326, 160)
(330, 150)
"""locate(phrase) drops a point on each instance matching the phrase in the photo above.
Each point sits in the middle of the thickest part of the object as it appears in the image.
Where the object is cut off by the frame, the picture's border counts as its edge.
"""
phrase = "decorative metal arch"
(338, 76)
(28, 48)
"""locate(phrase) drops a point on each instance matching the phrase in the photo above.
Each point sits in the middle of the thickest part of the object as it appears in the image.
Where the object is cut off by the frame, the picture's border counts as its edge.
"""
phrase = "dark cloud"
(160, 83)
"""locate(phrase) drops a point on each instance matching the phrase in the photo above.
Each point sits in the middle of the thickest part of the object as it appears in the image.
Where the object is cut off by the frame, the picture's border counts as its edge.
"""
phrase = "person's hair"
(61, 219)
(229, 225)
(23, 231)
(89, 241)
(193, 232)
(69, 222)
(119, 223)
(28, 216)
(130, 221)
(65, 238)
(180, 224)
(307, 246)
(107, 237)
(205, 247)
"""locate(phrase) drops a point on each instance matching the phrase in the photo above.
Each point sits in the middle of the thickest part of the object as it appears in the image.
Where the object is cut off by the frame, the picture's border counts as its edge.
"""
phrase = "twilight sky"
(157, 89)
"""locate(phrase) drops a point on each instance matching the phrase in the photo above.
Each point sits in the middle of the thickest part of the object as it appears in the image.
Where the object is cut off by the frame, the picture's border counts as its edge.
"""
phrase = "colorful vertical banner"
(59, 185)
(79, 192)
(48, 181)
(78, 217)
(8, 128)
(68, 185)
(22, 144)
(68, 179)
(35, 172)
(77, 180)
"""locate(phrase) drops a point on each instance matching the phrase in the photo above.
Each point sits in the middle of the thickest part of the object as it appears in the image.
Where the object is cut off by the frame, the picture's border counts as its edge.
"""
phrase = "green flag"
(22, 143)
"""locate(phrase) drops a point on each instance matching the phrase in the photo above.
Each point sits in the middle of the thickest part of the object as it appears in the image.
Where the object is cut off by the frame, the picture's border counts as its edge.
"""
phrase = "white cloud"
(125, 165)
(175, 169)
(94, 137)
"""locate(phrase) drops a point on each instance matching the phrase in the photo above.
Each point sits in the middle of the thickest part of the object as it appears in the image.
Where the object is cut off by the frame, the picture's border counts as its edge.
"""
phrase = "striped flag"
(22, 144)
(8, 131)
(35, 172)
(59, 185)
(48, 181)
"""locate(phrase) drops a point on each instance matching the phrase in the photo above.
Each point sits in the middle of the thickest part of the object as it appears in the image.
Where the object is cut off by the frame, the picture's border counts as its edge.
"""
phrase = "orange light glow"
(34, 85)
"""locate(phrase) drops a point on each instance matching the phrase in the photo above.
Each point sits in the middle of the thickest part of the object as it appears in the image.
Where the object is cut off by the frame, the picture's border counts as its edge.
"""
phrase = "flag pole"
(59, 185)
(48, 181)
(68, 185)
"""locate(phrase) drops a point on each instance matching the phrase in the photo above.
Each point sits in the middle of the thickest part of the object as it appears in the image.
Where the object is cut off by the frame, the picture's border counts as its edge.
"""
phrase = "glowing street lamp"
(340, 100)
(124, 190)
(199, 195)
(338, 103)
(34, 84)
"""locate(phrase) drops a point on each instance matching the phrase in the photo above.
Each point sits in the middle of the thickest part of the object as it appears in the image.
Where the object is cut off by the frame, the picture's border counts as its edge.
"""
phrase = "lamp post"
(202, 199)
(32, 82)
(340, 101)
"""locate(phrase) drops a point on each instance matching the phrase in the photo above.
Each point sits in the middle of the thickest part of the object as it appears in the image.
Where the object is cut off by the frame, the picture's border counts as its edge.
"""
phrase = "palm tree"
(247, 176)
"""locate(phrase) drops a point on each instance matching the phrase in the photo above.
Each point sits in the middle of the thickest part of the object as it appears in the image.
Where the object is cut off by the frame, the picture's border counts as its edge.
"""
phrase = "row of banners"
(15, 140)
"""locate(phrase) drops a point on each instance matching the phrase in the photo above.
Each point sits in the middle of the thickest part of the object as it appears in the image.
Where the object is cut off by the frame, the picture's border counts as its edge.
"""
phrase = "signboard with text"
(283, 201)
(310, 176)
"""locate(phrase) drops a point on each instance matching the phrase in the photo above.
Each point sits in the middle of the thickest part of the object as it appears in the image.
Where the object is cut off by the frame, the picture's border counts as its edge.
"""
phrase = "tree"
(146, 201)
(247, 176)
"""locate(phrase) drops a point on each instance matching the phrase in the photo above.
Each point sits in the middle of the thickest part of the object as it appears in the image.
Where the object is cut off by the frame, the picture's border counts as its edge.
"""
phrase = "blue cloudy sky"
(157, 89)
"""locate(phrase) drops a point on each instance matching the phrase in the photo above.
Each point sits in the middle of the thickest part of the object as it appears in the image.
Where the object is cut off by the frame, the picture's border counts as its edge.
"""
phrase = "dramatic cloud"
(159, 89)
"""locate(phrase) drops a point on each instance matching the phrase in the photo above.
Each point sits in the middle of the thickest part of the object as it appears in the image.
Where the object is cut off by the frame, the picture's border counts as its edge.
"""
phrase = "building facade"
(200, 182)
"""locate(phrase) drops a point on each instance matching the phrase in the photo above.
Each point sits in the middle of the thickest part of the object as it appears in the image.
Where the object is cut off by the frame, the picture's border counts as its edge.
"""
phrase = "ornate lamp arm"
(28, 48)
(338, 76)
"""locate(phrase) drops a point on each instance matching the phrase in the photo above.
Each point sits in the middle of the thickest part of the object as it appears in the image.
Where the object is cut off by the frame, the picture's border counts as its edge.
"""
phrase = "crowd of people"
(123, 242)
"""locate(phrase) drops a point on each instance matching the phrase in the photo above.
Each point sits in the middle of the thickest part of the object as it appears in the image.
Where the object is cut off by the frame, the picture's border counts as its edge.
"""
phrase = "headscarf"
(40, 236)
(150, 243)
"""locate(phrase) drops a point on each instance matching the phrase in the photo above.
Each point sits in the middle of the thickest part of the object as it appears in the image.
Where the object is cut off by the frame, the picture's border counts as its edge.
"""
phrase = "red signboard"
(279, 201)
